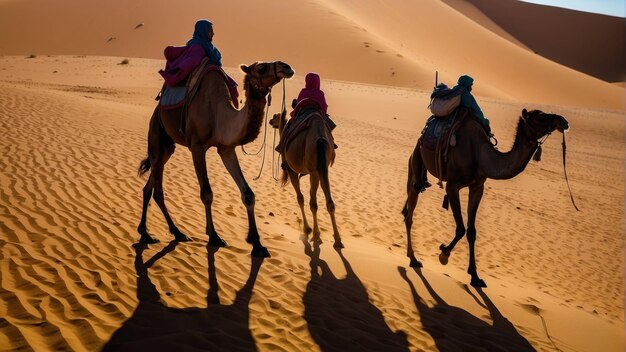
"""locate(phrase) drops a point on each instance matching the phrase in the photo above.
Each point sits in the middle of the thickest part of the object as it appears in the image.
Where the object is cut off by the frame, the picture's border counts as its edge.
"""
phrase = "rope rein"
(565, 173)
(269, 103)
(263, 146)
(537, 157)
(276, 161)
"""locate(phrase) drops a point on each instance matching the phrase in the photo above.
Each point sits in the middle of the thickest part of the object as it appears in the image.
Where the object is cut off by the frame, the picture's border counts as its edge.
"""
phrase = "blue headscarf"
(201, 37)
(467, 99)
(465, 81)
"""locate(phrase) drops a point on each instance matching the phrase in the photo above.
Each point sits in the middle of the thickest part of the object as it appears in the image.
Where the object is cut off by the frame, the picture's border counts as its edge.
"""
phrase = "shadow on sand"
(156, 327)
(339, 313)
(455, 329)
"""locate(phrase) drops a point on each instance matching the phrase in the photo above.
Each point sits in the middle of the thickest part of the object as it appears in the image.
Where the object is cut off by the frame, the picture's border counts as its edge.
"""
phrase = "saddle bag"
(443, 101)
(443, 107)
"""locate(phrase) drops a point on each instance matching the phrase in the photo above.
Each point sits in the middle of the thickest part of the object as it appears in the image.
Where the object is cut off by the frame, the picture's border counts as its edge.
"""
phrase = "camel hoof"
(444, 255)
(179, 236)
(260, 252)
(478, 283)
(415, 263)
(147, 239)
(216, 241)
(182, 238)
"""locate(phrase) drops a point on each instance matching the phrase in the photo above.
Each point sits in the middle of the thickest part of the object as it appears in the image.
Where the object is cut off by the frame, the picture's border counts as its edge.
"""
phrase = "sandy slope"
(587, 42)
(475, 14)
(70, 201)
(342, 40)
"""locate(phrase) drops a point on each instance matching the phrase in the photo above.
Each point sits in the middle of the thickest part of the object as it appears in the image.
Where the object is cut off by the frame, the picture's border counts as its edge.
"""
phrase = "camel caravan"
(199, 108)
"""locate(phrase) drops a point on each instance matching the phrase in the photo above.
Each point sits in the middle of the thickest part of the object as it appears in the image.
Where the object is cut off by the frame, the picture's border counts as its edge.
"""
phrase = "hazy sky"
(607, 7)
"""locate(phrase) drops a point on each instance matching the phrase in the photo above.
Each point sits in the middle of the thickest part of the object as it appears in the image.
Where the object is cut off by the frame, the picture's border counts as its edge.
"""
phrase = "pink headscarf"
(312, 90)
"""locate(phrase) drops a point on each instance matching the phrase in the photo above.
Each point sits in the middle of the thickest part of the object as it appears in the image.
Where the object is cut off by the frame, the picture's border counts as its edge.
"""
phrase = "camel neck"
(253, 111)
(503, 166)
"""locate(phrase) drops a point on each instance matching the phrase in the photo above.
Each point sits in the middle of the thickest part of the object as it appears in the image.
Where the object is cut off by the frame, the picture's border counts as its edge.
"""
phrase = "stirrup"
(492, 139)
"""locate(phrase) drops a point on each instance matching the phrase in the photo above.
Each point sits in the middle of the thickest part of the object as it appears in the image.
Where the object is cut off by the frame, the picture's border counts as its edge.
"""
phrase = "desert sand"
(73, 130)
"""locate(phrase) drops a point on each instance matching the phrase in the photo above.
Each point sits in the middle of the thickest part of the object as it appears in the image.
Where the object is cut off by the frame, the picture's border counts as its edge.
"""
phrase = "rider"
(182, 61)
(464, 85)
(203, 36)
(311, 91)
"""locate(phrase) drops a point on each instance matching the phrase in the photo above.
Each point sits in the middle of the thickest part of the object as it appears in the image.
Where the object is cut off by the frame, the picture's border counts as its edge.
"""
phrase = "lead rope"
(565, 173)
(262, 148)
(277, 161)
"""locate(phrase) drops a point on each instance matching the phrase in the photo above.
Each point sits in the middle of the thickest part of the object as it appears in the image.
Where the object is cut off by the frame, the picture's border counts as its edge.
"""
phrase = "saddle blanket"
(173, 97)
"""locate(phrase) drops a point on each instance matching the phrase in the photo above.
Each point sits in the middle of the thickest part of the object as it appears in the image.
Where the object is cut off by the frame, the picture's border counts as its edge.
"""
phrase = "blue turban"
(201, 37)
(465, 81)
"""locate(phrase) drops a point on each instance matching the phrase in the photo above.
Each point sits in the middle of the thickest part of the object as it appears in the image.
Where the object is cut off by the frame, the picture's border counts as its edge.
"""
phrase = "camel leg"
(159, 198)
(452, 190)
(142, 228)
(229, 158)
(475, 195)
(315, 181)
(206, 194)
(295, 182)
(409, 208)
(330, 206)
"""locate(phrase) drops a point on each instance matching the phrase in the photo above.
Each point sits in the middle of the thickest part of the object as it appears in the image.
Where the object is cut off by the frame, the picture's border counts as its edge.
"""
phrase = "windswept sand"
(70, 277)
(73, 126)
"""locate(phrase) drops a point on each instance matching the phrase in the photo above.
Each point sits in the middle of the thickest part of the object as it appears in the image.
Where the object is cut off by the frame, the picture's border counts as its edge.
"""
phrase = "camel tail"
(144, 166)
(416, 179)
(408, 187)
(322, 151)
(156, 129)
(285, 176)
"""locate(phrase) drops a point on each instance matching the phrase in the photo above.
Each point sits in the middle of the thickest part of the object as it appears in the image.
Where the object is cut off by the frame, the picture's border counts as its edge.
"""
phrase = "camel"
(212, 121)
(470, 163)
(310, 152)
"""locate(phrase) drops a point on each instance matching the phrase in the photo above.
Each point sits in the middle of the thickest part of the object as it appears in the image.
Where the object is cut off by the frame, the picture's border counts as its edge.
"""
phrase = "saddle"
(174, 97)
(439, 135)
(304, 114)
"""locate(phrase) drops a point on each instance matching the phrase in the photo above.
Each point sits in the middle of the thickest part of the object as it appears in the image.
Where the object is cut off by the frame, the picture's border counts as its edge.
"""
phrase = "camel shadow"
(338, 312)
(455, 329)
(154, 326)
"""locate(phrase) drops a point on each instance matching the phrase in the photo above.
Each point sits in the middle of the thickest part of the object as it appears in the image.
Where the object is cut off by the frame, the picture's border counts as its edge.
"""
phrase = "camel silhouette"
(154, 326)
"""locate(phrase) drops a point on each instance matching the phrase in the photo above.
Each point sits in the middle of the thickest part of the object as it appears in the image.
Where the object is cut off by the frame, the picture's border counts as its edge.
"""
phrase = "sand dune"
(587, 42)
(475, 14)
(353, 44)
(72, 279)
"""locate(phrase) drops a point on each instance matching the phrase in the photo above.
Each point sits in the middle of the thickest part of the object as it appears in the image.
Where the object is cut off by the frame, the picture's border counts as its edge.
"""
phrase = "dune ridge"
(417, 39)
(587, 42)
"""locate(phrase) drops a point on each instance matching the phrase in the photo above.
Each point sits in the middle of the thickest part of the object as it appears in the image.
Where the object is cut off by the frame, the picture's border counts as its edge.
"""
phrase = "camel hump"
(305, 105)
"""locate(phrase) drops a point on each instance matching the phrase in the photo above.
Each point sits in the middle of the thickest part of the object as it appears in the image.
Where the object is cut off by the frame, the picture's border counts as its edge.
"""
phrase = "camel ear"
(244, 68)
(524, 113)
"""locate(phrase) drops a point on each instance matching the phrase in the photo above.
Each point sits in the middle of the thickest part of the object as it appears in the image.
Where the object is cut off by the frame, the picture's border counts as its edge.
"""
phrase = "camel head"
(539, 123)
(278, 120)
(262, 76)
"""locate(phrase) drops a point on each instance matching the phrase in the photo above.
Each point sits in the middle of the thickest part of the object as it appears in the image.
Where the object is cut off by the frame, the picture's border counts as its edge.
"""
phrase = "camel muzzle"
(562, 125)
